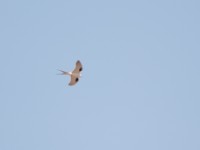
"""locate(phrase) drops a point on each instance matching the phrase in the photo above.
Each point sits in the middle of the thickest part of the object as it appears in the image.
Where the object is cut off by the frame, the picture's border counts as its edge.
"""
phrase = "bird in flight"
(75, 74)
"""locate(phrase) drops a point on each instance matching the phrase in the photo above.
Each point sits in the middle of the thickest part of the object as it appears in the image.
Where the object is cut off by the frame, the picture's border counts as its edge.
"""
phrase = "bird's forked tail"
(63, 73)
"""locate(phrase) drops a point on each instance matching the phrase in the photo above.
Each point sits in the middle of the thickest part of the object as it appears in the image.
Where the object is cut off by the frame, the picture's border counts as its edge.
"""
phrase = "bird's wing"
(73, 80)
(78, 67)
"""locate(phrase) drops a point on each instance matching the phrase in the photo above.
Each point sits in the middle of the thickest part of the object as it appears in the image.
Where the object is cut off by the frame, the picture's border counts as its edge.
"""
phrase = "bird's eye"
(76, 79)
(81, 69)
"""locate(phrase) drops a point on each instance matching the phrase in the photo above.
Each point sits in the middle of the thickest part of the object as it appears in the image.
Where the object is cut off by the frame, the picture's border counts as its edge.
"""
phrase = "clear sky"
(140, 88)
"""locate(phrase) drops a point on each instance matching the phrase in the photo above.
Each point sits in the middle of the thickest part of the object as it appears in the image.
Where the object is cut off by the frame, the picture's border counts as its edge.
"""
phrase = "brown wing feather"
(73, 80)
(78, 67)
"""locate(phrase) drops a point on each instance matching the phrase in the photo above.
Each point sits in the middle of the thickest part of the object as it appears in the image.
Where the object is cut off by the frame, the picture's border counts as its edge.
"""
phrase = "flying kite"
(75, 74)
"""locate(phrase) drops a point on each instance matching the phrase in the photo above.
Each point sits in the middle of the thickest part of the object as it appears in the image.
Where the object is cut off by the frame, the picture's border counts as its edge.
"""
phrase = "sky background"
(141, 75)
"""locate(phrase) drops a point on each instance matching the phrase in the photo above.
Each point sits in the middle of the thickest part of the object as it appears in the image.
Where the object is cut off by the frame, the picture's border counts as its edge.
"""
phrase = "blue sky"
(140, 84)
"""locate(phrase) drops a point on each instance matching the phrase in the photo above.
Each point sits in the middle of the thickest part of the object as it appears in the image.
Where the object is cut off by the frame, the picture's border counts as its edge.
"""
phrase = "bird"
(75, 74)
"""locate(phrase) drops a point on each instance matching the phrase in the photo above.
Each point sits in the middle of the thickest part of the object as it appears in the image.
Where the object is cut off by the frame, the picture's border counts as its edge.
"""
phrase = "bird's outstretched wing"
(78, 67)
(73, 80)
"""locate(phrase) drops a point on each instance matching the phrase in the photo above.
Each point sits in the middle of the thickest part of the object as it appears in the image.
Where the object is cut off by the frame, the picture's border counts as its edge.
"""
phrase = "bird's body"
(75, 74)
